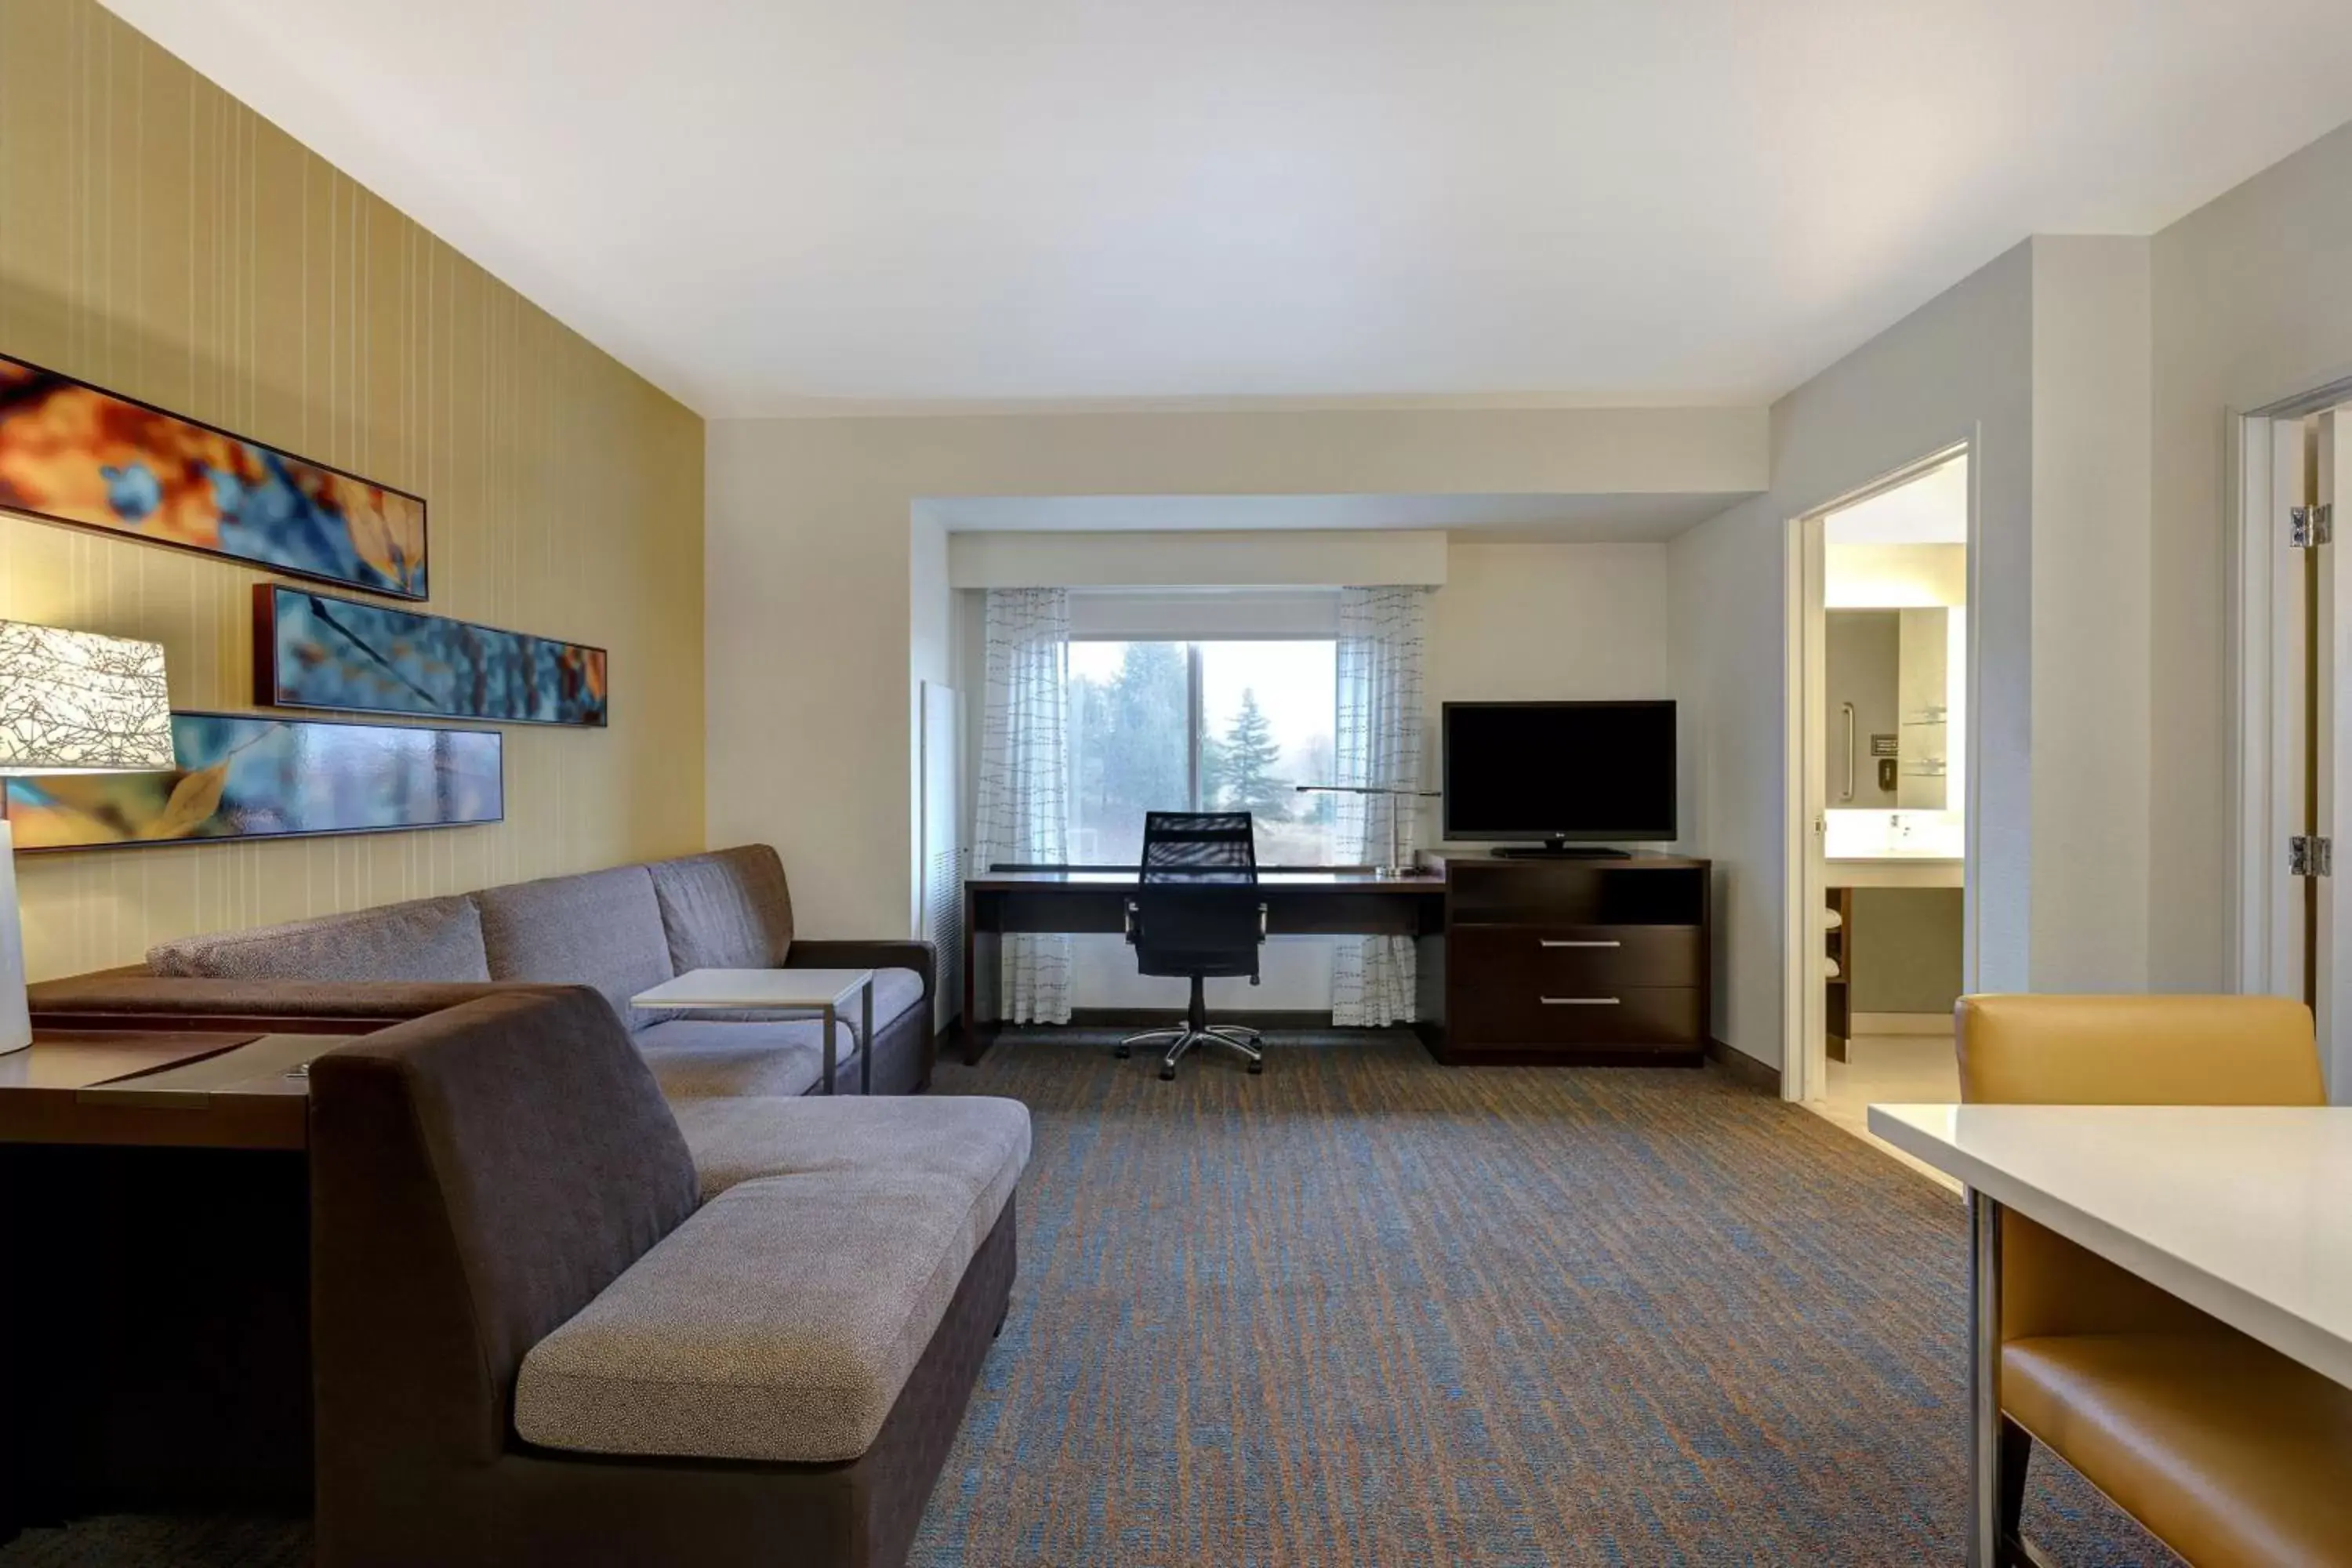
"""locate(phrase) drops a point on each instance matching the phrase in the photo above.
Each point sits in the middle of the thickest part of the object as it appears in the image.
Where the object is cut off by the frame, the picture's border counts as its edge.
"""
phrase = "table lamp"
(70, 702)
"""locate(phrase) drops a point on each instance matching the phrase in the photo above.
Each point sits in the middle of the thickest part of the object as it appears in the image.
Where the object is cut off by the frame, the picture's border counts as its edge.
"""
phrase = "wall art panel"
(316, 650)
(243, 775)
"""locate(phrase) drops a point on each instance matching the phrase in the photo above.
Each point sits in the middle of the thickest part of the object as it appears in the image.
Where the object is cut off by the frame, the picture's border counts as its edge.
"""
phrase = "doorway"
(1882, 951)
(2294, 656)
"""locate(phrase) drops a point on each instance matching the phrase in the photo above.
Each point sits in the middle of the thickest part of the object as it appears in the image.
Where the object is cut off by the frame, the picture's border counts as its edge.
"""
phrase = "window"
(1175, 726)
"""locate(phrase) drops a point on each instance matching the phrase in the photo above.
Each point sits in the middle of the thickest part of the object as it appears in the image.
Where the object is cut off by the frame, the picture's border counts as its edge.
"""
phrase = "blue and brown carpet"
(1364, 1310)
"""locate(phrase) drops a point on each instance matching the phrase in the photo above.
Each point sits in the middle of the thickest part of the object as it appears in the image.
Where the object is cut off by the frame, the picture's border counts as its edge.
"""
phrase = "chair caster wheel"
(1121, 1052)
(1256, 1068)
(1168, 1075)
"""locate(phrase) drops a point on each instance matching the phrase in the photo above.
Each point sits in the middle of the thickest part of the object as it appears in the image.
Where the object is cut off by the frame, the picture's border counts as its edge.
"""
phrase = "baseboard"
(1901, 1023)
(1158, 1017)
(1761, 1077)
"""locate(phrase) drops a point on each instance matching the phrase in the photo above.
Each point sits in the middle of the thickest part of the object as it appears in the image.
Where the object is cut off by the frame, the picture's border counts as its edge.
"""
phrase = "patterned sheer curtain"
(1023, 813)
(1378, 743)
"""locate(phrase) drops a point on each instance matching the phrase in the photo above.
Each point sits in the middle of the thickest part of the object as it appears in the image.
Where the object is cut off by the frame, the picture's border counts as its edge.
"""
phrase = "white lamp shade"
(76, 703)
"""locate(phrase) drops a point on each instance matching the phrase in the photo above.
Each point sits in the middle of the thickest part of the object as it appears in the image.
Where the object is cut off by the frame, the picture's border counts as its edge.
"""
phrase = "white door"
(2328, 486)
(2306, 903)
(1805, 1068)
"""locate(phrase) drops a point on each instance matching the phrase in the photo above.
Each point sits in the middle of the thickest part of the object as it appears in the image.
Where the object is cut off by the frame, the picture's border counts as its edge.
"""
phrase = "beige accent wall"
(158, 237)
(817, 541)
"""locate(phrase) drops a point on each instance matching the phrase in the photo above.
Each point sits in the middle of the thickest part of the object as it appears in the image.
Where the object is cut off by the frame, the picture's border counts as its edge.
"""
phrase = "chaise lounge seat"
(539, 1341)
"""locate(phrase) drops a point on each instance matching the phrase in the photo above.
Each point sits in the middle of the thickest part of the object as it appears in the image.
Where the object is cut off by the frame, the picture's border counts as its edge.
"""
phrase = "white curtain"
(1377, 744)
(1024, 814)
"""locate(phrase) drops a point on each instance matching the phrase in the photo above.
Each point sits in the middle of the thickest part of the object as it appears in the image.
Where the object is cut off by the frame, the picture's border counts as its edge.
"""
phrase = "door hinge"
(2309, 525)
(2310, 855)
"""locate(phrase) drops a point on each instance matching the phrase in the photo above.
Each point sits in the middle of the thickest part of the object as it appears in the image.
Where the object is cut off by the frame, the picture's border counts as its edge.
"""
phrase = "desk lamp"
(1394, 866)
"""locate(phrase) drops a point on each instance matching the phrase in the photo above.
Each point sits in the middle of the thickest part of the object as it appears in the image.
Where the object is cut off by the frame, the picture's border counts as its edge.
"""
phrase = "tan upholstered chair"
(2226, 1451)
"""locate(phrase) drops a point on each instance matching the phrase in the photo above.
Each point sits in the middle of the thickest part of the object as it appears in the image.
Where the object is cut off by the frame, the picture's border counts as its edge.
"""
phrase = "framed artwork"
(74, 453)
(318, 650)
(245, 776)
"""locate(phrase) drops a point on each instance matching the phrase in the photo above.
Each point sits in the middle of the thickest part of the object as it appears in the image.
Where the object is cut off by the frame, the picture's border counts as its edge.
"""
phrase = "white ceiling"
(1932, 509)
(767, 203)
(1560, 519)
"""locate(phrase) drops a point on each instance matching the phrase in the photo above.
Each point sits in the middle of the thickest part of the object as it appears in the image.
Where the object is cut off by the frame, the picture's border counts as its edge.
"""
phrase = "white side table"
(823, 992)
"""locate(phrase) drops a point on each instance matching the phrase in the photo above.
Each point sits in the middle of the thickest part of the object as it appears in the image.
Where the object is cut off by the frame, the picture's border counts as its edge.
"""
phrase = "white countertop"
(1894, 871)
(2244, 1212)
(778, 989)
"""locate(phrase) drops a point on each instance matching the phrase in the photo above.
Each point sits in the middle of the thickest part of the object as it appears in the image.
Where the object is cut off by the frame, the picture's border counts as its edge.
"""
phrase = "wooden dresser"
(1573, 962)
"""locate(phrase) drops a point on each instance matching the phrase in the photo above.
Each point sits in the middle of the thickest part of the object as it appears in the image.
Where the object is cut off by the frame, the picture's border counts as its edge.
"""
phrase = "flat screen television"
(1560, 774)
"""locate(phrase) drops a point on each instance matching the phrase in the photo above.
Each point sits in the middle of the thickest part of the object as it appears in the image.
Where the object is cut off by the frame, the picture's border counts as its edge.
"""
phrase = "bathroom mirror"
(1889, 689)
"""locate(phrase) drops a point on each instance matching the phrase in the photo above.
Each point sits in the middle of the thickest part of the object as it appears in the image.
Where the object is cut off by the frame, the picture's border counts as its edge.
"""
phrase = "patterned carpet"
(1364, 1310)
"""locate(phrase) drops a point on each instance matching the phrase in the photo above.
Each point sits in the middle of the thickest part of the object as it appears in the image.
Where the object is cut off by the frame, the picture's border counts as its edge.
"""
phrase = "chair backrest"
(477, 1177)
(1197, 847)
(2120, 1050)
(2138, 1050)
(1197, 909)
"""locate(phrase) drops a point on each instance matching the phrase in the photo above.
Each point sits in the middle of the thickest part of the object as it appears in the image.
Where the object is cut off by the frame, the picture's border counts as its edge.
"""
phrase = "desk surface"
(1353, 881)
(2240, 1211)
(217, 1091)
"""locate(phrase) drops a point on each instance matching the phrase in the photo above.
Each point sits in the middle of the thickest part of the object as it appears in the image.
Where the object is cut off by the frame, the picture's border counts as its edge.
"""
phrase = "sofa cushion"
(695, 1058)
(779, 1324)
(602, 929)
(981, 1143)
(728, 910)
(422, 939)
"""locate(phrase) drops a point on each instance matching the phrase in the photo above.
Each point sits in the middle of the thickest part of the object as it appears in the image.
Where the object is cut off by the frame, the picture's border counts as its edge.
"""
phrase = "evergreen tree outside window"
(1202, 725)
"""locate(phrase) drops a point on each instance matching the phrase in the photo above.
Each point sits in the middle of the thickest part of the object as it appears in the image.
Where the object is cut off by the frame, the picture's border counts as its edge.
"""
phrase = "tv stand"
(1581, 961)
(1560, 850)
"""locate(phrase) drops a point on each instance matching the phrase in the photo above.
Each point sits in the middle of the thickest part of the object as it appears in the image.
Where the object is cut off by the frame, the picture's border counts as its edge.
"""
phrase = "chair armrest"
(830, 953)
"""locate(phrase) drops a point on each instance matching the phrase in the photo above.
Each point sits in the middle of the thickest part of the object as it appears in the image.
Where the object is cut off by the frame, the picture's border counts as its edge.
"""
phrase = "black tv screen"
(1559, 770)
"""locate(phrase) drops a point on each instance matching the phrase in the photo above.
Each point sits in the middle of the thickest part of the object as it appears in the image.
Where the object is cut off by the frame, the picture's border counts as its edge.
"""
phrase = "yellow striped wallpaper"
(159, 238)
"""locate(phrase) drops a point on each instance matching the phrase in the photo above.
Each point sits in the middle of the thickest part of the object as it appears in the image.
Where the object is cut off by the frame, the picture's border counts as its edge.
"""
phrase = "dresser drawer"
(1578, 957)
(1635, 1017)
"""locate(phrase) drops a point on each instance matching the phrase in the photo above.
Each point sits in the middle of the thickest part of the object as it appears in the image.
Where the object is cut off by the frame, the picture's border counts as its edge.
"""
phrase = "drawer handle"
(1561, 941)
(1580, 1000)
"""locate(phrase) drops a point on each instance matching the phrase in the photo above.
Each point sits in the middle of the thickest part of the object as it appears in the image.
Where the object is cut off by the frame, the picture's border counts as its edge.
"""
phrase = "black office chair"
(1197, 913)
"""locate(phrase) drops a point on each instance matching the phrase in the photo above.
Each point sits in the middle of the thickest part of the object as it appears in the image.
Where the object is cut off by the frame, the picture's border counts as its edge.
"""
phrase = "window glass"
(1131, 745)
(1267, 712)
(1263, 727)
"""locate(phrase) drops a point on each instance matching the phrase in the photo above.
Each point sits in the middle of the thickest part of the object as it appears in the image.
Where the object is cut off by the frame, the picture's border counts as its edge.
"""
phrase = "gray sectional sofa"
(620, 931)
(558, 1321)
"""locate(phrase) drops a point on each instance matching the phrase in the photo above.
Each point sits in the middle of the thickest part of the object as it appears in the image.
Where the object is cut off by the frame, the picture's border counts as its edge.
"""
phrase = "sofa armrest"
(919, 956)
(134, 1000)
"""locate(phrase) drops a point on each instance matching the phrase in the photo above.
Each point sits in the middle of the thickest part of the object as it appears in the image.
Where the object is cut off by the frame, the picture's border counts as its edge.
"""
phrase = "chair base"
(1184, 1038)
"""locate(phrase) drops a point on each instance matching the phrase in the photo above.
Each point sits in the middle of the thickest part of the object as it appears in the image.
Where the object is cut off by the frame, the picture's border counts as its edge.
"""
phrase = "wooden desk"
(2237, 1211)
(154, 1331)
(1297, 903)
(1526, 962)
(162, 1090)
